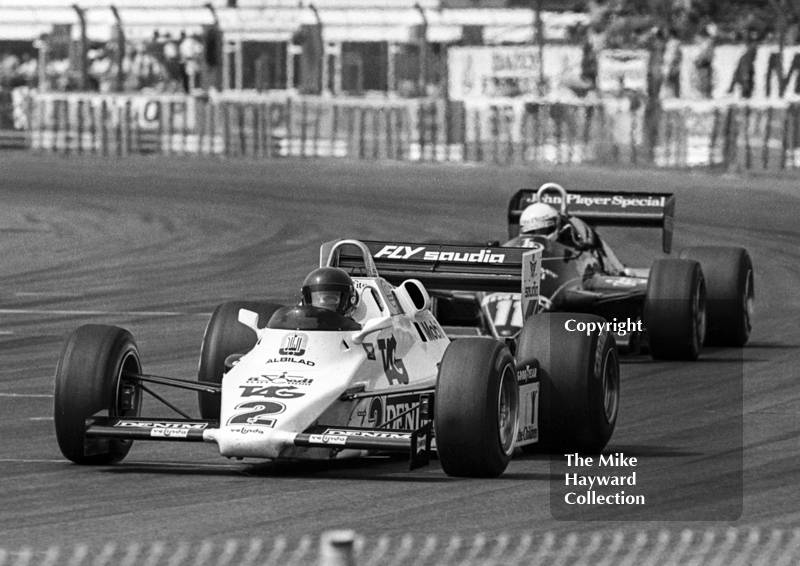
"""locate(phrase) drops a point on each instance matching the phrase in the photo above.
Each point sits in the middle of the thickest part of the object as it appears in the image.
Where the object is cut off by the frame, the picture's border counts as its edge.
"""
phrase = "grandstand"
(324, 46)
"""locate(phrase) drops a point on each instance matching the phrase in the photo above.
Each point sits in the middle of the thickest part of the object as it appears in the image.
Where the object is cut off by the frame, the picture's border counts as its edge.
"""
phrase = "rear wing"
(443, 266)
(600, 208)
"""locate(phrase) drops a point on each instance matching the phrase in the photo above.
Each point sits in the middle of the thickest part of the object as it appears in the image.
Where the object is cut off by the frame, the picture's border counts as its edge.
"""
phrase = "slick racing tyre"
(675, 309)
(477, 401)
(730, 293)
(89, 379)
(224, 336)
(578, 382)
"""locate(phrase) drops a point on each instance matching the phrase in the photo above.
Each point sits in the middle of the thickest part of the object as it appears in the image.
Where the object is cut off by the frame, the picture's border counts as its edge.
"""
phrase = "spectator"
(589, 65)
(191, 52)
(744, 75)
(704, 61)
(29, 70)
(673, 57)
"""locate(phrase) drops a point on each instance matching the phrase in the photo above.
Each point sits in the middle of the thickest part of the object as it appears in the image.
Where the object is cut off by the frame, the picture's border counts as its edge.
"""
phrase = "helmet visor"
(331, 300)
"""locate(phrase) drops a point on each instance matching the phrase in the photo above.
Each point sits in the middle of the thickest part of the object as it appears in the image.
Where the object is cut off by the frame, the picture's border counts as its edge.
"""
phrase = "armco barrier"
(262, 127)
(733, 135)
(15, 111)
(635, 547)
(280, 126)
(626, 131)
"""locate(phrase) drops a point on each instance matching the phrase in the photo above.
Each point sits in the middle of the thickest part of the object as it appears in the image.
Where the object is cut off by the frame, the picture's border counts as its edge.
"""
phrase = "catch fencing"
(623, 131)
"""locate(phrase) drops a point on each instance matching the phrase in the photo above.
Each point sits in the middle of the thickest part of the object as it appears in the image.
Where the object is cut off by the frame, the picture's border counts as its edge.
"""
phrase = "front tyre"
(477, 404)
(579, 381)
(224, 336)
(730, 293)
(675, 309)
(89, 379)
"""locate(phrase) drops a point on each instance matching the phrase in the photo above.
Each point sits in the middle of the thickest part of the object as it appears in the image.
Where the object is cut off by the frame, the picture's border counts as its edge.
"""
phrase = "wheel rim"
(507, 410)
(610, 386)
(699, 315)
(749, 302)
(129, 396)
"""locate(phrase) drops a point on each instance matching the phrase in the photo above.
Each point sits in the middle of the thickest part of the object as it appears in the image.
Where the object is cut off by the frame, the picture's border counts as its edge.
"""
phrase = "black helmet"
(330, 288)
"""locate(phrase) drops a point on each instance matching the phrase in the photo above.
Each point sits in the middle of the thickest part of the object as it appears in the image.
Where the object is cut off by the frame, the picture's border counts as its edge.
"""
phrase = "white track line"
(31, 461)
(101, 313)
(25, 395)
(47, 294)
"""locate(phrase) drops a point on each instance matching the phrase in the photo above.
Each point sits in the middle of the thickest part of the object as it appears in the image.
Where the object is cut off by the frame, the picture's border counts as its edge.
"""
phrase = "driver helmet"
(330, 288)
(539, 219)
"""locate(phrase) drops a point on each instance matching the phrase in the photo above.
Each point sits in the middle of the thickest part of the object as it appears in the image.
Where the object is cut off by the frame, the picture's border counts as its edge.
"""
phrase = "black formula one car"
(671, 309)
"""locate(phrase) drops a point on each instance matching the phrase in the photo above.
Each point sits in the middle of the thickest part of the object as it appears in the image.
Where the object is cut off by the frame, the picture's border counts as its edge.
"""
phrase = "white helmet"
(539, 219)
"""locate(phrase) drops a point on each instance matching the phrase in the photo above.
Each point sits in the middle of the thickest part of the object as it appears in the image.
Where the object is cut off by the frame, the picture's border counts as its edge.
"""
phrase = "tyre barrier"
(666, 547)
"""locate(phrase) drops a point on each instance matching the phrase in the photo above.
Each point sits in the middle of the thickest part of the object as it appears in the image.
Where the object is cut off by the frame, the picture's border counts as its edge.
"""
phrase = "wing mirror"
(249, 319)
(372, 325)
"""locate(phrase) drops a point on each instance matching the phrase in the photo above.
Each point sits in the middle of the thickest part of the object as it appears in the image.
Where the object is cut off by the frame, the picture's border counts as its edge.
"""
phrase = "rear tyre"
(224, 336)
(89, 380)
(730, 293)
(477, 403)
(675, 310)
(579, 382)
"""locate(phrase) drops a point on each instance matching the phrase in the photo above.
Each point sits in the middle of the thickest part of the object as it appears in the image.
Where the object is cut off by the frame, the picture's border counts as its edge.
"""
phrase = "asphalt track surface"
(154, 245)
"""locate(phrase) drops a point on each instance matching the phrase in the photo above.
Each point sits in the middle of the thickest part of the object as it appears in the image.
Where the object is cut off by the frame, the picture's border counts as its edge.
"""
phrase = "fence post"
(336, 548)
(386, 128)
(334, 128)
(317, 121)
(767, 136)
(362, 134)
(376, 132)
(125, 125)
(268, 128)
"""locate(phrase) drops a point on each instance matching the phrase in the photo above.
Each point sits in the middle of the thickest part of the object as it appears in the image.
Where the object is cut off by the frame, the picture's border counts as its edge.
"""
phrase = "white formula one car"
(304, 382)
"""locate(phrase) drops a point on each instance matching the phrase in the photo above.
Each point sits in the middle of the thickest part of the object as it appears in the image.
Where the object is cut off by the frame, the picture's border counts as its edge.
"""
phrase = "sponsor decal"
(622, 281)
(527, 375)
(369, 349)
(286, 359)
(258, 413)
(368, 433)
(328, 439)
(618, 201)
(407, 252)
(276, 391)
(392, 367)
(398, 252)
(429, 330)
(169, 433)
(248, 430)
(161, 425)
(388, 292)
(282, 379)
(293, 344)
(387, 409)
(484, 256)
(530, 289)
(528, 430)
(527, 433)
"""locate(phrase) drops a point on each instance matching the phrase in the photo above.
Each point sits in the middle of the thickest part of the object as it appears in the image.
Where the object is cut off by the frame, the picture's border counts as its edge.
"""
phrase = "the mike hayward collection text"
(588, 496)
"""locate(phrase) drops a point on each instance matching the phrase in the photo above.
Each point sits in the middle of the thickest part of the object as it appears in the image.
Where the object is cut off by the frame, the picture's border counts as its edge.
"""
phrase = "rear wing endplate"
(443, 266)
(602, 208)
